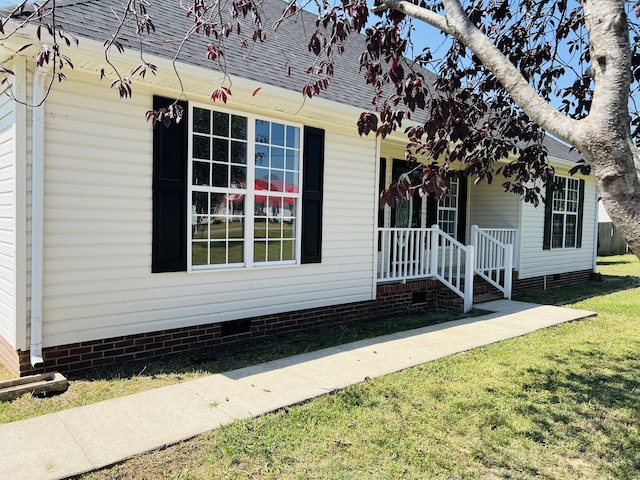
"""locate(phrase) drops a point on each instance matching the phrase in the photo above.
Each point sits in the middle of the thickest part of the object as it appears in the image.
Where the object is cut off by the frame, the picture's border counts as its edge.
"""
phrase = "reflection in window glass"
(201, 147)
(217, 226)
(201, 120)
(277, 134)
(238, 127)
(293, 137)
(238, 152)
(220, 169)
(262, 131)
(221, 124)
(201, 173)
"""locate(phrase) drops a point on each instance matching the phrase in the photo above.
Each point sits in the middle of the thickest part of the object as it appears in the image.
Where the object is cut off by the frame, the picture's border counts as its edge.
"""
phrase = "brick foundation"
(392, 299)
(552, 281)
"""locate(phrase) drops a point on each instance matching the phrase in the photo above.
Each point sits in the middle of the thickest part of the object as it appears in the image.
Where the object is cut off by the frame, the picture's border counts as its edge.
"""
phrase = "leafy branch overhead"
(508, 73)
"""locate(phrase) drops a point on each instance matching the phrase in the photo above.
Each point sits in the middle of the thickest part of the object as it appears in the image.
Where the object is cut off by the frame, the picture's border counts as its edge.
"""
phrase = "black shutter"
(312, 185)
(548, 210)
(462, 208)
(580, 213)
(169, 237)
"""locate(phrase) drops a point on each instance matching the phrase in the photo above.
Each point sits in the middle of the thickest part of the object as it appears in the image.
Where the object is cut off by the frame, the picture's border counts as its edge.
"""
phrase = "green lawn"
(561, 403)
(222, 243)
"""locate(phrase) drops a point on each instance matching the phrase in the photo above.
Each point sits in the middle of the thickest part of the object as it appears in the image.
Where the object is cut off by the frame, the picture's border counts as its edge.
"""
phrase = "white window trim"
(450, 209)
(249, 192)
(565, 213)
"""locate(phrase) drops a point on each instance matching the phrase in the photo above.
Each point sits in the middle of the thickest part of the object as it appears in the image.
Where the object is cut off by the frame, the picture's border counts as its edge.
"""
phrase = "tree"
(515, 65)
(513, 71)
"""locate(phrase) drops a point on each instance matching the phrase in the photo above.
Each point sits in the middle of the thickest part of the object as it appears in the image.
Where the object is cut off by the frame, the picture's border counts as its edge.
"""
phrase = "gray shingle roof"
(561, 150)
(262, 62)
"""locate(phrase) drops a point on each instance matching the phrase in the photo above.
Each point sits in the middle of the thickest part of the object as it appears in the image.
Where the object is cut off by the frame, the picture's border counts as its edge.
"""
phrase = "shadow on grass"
(613, 262)
(229, 357)
(592, 399)
(566, 294)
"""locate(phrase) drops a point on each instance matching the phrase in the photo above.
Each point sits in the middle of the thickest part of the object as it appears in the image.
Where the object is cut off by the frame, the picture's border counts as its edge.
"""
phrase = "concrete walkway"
(82, 439)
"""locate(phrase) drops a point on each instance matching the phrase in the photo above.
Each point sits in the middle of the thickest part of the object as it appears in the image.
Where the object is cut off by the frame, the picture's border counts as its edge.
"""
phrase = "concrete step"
(34, 384)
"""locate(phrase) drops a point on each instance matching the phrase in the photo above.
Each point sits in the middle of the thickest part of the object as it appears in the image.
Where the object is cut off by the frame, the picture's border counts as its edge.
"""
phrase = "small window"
(564, 217)
(448, 209)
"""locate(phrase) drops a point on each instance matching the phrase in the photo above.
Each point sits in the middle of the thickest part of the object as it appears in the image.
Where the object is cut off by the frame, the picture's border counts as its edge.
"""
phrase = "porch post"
(435, 241)
(474, 242)
(508, 271)
(468, 282)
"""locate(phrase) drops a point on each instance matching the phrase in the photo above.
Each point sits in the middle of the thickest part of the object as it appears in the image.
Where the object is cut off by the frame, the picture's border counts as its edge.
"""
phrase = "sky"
(423, 35)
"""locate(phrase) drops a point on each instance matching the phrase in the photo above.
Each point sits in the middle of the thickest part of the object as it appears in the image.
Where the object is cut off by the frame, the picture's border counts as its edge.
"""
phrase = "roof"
(261, 62)
(561, 150)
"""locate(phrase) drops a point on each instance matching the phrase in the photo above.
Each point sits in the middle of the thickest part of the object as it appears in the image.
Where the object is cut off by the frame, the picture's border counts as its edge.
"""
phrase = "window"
(231, 189)
(563, 214)
(448, 209)
(244, 190)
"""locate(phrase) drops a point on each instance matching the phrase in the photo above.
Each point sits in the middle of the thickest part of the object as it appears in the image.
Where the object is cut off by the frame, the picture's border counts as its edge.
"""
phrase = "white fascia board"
(88, 57)
(561, 162)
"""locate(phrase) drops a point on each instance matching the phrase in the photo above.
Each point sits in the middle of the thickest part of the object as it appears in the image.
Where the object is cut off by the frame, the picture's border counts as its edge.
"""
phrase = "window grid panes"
(564, 221)
(277, 185)
(448, 210)
(223, 158)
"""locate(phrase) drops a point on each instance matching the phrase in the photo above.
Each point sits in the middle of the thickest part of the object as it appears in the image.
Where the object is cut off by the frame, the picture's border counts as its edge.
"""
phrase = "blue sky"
(422, 36)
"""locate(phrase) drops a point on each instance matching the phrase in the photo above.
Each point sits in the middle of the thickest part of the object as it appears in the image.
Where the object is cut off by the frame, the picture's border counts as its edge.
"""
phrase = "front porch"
(407, 254)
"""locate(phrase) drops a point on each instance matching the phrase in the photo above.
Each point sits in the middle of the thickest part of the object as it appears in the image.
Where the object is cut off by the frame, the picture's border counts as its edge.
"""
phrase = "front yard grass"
(560, 403)
(557, 404)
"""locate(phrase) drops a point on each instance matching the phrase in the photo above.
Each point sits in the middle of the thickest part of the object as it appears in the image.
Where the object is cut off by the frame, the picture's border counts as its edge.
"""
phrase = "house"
(120, 242)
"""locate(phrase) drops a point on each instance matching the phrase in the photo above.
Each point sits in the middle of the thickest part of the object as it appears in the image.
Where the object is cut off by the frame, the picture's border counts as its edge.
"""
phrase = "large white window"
(244, 190)
(564, 220)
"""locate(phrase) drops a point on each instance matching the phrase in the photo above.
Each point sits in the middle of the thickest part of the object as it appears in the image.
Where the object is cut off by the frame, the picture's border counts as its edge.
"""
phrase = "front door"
(449, 213)
(405, 213)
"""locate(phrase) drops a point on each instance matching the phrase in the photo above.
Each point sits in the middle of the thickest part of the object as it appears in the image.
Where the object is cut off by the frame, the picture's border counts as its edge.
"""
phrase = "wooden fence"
(610, 242)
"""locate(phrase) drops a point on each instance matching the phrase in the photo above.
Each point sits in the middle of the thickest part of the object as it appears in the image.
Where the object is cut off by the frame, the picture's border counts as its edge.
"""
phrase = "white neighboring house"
(120, 242)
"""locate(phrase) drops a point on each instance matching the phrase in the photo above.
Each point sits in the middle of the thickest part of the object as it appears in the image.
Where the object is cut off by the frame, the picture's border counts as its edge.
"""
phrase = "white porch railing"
(411, 253)
(494, 259)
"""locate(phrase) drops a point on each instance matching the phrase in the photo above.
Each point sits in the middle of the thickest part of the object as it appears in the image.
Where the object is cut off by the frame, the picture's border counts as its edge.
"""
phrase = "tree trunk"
(605, 137)
(619, 188)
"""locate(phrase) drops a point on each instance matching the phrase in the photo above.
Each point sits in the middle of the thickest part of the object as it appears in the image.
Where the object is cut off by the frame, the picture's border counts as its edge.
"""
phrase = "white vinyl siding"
(537, 262)
(7, 221)
(491, 207)
(98, 222)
